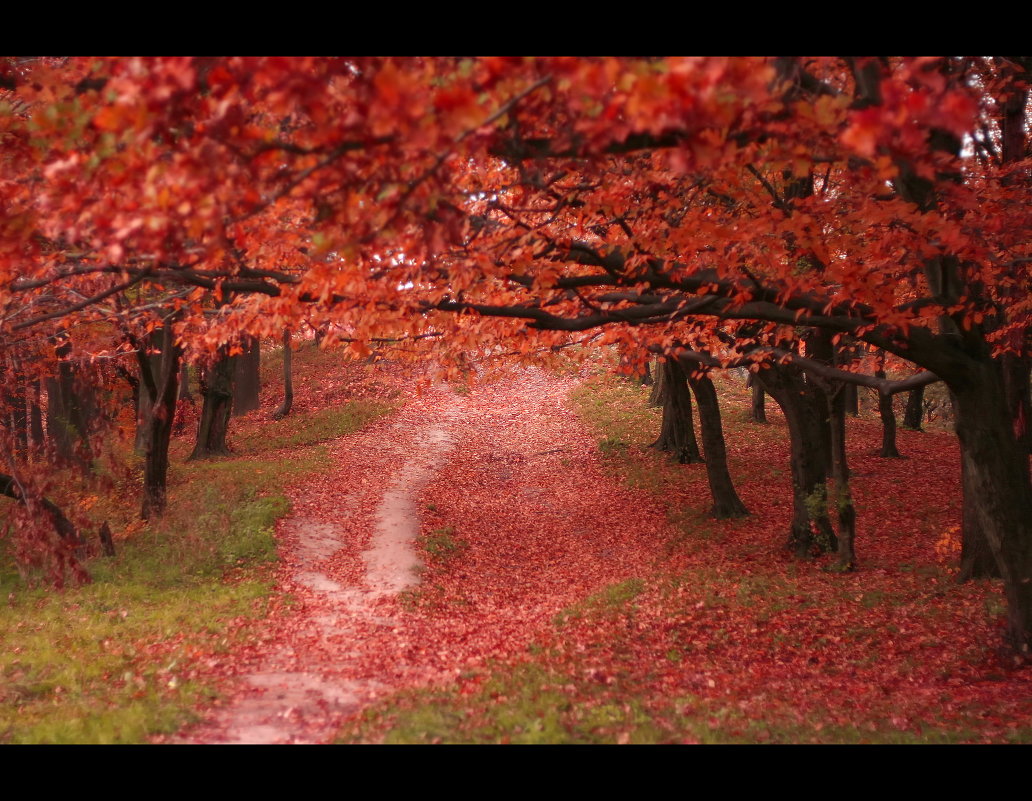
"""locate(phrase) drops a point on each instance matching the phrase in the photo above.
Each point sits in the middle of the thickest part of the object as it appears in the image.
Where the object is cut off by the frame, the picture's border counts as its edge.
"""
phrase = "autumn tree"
(881, 140)
(520, 204)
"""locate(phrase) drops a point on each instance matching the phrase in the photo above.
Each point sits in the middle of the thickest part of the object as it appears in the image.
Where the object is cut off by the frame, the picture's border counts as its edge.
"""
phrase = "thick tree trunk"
(288, 377)
(726, 503)
(820, 347)
(888, 418)
(811, 532)
(246, 383)
(976, 557)
(1019, 397)
(217, 391)
(996, 479)
(66, 420)
(758, 411)
(914, 413)
(141, 392)
(852, 400)
(677, 431)
(184, 383)
(657, 397)
(159, 386)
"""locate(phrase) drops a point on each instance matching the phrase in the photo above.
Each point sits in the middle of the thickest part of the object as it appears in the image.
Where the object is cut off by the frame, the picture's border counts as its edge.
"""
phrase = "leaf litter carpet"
(518, 522)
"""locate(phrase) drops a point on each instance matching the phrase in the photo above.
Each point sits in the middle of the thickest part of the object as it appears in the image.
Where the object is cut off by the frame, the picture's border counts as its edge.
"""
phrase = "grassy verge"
(317, 426)
(133, 653)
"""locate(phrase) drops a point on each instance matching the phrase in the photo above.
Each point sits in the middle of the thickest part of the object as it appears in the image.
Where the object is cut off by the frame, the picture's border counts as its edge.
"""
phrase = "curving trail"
(509, 479)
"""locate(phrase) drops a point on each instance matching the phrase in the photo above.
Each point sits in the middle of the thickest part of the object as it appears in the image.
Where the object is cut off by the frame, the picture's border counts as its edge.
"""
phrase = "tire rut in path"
(283, 700)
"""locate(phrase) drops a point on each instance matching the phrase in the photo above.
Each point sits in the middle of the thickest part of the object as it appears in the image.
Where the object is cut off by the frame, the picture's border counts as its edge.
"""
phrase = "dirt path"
(512, 485)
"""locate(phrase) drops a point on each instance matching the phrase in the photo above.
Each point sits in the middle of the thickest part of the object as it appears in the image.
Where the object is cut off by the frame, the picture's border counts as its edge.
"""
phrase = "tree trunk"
(677, 431)
(852, 400)
(36, 435)
(726, 503)
(811, 531)
(246, 382)
(888, 418)
(66, 421)
(976, 557)
(996, 482)
(646, 377)
(184, 383)
(758, 411)
(1019, 397)
(840, 474)
(288, 377)
(657, 397)
(141, 392)
(914, 413)
(217, 391)
(159, 386)
(17, 412)
(820, 347)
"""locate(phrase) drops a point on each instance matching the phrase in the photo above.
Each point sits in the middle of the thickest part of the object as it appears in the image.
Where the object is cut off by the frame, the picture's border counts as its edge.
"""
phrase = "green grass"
(525, 704)
(614, 597)
(442, 545)
(115, 660)
(298, 430)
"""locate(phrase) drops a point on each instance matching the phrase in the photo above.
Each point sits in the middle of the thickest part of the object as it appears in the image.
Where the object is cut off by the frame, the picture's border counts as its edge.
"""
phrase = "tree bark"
(821, 348)
(36, 436)
(677, 431)
(107, 544)
(852, 400)
(1019, 397)
(914, 414)
(66, 421)
(811, 531)
(657, 397)
(159, 386)
(288, 377)
(976, 557)
(184, 383)
(646, 377)
(840, 474)
(996, 479)
(246, 381)
(758, 411)
(217, 391)
(16, 403)
(726, 503)
(888, 418)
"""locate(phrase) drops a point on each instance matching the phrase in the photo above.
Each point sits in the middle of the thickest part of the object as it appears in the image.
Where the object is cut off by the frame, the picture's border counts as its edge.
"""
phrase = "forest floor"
(565, 585)
(501, 482)
(405, 561)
